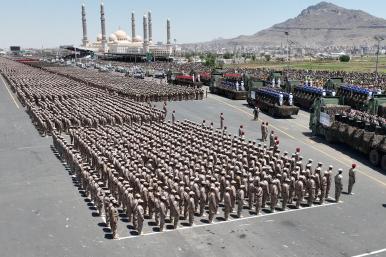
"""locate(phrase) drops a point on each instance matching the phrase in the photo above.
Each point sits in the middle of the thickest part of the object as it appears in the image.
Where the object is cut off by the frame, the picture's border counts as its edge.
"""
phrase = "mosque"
(120, 44)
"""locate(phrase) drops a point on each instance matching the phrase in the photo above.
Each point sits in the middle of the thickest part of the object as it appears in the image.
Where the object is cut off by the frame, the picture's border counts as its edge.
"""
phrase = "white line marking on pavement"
(9, 92)
(229, 221)
(371, 253)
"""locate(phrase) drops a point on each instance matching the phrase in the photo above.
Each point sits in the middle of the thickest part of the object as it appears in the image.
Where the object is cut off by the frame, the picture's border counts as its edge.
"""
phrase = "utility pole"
(288, 54)
(378, 39)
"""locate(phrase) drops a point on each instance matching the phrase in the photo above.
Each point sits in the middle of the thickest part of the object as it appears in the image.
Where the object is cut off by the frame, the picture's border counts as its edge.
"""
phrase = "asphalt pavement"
(45, 214)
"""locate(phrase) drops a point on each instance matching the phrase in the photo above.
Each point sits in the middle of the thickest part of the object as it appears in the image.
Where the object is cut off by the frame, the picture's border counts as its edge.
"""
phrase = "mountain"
(318, 26)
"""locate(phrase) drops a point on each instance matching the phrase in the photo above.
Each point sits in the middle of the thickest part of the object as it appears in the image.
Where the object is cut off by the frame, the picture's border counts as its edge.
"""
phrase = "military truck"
(356, 96)
(275, 102)
(253, 85)
(305, 95)
(229, 85)
(205, 78)
(329, 120)
(186, 80)
(333, 83)
(276, 77)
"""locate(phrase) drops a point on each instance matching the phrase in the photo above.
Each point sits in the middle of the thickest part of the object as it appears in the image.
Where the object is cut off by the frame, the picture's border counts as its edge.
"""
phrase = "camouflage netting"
(277, 110)
(357, 138)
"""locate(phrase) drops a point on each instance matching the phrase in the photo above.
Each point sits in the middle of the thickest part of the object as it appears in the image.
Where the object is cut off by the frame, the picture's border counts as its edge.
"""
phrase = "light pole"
(287, 34)
(379, 39)
(290, 43)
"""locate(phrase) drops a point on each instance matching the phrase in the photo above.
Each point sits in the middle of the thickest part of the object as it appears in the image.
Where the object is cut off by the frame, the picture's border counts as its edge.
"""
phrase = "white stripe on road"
(9, 92)
(370, 253)
(228, 221)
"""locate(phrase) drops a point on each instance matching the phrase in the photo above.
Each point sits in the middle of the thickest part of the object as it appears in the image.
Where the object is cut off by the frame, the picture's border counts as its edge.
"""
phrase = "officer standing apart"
(221, 120)
(173, 116)
(263, 131)
(256, 112)
(351, 178)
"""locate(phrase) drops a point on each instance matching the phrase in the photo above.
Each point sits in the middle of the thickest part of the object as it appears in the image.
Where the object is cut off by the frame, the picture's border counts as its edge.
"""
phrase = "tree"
(228, 55)
(210, 61)
(344, 58)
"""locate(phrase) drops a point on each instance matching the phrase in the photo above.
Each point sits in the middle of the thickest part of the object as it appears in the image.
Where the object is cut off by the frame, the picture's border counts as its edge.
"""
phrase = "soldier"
(311, 190)
(274, 192)
(174, 211)
(173, 116)
(328, 174)
(233, 194)
(323, 189)
(256, 112)
(251, 194)
(129, 204)
(266, 131)
(263, 131)
(191, 207)
(140, 212)
(240, 200)
(185, 200)
(241, 131)
(259, 198)
(114, 218)
(227, 203)
(165, 109)
(203, 198)
(299, 192)
(351, 178)
(162, 213)
(106, 204)
(272, 138)
(221, 120)
(266, 192)
(338, 185)
(134, 210)
(285, 193)
(212, 204)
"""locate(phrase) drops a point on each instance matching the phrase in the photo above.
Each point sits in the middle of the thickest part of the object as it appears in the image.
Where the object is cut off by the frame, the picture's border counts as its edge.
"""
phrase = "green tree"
(228, 55)
(344, 58)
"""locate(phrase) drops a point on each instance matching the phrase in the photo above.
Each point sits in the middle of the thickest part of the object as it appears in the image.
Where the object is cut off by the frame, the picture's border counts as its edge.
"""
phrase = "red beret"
(353, 165)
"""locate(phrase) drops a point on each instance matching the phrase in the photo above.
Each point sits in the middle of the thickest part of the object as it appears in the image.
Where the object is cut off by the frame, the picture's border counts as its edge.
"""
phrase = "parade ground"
(45, 213)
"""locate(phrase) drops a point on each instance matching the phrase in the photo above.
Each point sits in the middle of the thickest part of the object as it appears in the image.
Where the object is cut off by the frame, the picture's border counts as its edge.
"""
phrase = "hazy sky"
(50, 23)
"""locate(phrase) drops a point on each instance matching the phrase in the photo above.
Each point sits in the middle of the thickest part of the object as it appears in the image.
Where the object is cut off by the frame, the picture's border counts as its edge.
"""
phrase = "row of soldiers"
(178, 170)
(138, 90)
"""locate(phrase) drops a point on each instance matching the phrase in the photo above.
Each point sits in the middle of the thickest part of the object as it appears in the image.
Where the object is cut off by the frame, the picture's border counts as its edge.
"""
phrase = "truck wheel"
(383, 162)
(374, 157)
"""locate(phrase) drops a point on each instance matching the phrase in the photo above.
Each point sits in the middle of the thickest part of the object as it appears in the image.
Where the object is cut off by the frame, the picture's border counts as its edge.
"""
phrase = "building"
(120, 44)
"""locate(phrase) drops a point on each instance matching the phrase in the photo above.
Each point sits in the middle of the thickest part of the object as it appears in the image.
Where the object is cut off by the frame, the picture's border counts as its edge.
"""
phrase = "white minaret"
(133, 26)
(145, 39)
(103, 28)
(168, 37)
(150, 26)
(84, 26)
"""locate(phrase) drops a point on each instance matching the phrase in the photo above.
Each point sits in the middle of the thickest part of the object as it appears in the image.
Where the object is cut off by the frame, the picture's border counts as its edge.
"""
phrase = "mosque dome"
(99, 37)
(137, 38)
(113, 37)
(121, 35)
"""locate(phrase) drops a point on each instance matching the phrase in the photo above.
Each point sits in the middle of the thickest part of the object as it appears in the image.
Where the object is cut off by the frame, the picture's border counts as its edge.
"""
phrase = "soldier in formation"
(215, 168)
